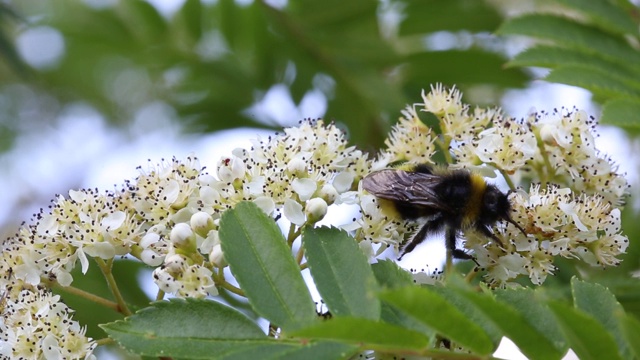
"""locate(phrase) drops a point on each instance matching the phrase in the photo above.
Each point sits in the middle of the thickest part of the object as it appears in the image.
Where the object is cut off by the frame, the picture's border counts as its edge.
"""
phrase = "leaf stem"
(236, 290)
(300, 254)
(507, 179)
(91, 297)
(160, 295)
(105, 341)
(106, 267)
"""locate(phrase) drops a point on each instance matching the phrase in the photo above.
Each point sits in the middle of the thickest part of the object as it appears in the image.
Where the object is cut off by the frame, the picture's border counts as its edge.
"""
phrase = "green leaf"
(572, 34)
(369, 333)
(319, 350)
(553, 57)
(395, 316)
(585, 335)
(596, 80)
(515, 326)
(531, 305)
(423, 17)
(473, 312)
(185, 329)
(390, 275)
(599, 302)
(622, 112)
(453, 67)
(631, 331)
(285, 349)
(341, 273)
(150, 25)
(436, 312)
(606, 15)
(263, 265)
(191, 15)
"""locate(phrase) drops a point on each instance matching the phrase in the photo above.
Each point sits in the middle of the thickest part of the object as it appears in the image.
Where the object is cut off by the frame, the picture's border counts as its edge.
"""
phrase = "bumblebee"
(449, 200)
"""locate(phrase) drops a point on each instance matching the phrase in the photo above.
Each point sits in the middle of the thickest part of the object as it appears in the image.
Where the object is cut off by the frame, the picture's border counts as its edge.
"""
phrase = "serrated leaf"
(622, 112)
(454, 67)
(529, 340)
(553, 56)
(599, 302)
(395, 316)
(631, 331)
(341, 273)
(321, 350)
(185, 329)
(595, 80)
(390, 275)
(150, 25)
(584, 334)
(606, 15)
(532, 306)
(191, 14)
(263, 265)
(474, 313)
(422, 17)
(436, 312)
(275, 350)
(572, 34)
(368, 333)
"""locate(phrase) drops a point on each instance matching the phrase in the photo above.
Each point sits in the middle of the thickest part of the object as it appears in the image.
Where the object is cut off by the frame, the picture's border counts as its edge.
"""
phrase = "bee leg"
(455, 252)
(428, 228)
(486, 232)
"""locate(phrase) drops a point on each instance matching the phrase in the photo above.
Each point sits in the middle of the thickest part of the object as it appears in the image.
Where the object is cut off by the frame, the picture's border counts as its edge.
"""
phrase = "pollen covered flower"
(410, 140)
(558, 223)
(569, 154)
(34, 324)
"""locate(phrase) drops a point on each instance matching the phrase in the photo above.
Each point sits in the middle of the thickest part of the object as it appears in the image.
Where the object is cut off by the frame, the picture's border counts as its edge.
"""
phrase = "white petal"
(103, 250)
(48, 225)
(304, 188)
(113, 221)
(83, 260)
(256, 186)
(149, 239)
(293, 211)
(342, 182)
(265, 204)
(50, 348)
(151, 258)
(170, 192)
(64, 278)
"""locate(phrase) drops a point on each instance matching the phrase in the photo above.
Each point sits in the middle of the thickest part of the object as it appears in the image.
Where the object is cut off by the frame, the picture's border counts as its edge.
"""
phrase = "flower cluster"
(168, 217)
(36, 325)
(571, 210)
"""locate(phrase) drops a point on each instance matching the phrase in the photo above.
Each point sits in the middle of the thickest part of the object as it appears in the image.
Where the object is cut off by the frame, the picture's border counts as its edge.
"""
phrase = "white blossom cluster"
(35, 324)
(168, 216)
(573, 208)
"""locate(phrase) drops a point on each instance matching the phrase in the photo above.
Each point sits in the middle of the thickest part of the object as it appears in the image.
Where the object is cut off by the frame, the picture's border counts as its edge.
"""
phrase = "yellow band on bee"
(474, 205)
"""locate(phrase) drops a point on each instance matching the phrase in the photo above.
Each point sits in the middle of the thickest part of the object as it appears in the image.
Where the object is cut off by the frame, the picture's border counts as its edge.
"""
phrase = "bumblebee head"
(496, 206)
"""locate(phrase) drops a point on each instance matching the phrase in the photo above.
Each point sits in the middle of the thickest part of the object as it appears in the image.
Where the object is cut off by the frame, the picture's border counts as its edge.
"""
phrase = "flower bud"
(217, 256)
(174, 264)
(329, 193)
(315, 209)
(182, 236)
(201, 223)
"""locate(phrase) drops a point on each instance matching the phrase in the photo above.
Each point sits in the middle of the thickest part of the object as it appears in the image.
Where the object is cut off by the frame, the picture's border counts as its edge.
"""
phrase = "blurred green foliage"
(211, 61)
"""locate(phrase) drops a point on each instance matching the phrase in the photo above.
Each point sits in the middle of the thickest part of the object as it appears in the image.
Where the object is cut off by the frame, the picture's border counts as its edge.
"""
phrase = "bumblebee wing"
(416, 188)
